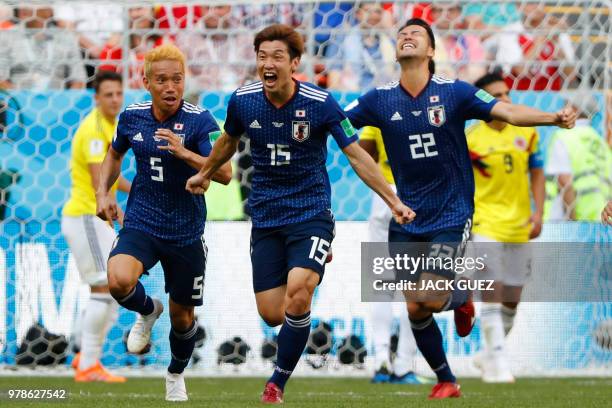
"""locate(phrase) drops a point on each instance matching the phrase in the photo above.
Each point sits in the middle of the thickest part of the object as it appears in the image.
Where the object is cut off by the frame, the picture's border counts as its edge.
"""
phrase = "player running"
(163, 223)
(422, 118)
(287, 122)
(506, 163)
(401, 371)
(89, 238)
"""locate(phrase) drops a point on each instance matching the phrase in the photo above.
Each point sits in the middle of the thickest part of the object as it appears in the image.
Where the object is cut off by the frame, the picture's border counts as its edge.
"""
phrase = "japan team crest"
(436, 115)
(300, 130)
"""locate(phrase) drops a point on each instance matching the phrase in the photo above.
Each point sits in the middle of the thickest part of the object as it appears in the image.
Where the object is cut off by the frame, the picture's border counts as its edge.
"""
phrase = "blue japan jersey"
(289, 149)
(158, 203)
(424, 137)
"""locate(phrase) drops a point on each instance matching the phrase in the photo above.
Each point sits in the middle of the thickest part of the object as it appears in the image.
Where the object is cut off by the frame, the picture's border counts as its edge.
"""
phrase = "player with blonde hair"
(163, 223)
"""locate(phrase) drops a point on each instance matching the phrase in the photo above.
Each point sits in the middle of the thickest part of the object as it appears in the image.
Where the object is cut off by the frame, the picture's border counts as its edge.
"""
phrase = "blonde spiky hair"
(166, 52)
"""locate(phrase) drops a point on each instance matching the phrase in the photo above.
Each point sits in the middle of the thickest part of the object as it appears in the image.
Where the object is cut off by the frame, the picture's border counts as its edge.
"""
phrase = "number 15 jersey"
(289, 150)
(424, 136)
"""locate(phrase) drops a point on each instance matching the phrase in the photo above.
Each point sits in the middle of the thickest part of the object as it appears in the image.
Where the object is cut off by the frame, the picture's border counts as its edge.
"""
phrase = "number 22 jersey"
(424, 136)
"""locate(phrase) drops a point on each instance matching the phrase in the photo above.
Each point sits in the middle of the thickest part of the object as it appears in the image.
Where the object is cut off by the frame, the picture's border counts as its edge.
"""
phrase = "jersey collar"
(169, 117)
(420, 93)
(295, 92)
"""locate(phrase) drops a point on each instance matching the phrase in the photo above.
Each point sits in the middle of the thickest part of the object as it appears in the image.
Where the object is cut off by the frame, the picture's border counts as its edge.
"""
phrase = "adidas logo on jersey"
(396, 116)
(255, 125)
(138, 137)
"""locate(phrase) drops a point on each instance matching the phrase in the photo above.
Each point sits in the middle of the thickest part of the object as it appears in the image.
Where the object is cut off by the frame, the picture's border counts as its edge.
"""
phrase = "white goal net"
(550, 52)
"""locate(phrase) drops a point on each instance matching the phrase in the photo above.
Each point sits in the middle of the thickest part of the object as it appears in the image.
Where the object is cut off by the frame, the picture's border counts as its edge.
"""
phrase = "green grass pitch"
(319, 392)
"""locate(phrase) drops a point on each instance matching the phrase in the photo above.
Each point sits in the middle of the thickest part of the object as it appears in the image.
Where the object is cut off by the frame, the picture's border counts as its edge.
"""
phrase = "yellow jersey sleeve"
(533, 142)
(536, 157)
(94, 147)
(374, 133)
(89, 146)
(370, 133)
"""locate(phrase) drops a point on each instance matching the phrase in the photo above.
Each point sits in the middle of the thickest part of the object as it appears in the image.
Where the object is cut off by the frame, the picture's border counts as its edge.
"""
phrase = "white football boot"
(495, 370)
(175, 387)
(140, 334)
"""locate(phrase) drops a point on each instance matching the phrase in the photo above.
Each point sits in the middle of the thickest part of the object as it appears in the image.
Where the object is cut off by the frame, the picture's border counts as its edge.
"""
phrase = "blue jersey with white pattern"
(158, 203)
(424, 137)
(289, 148)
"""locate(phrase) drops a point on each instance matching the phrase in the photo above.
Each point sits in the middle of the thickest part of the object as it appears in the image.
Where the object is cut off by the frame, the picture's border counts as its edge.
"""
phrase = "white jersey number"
(422, 146)
(158, 169)
(321, 247)
(198, 287)
(279, 154)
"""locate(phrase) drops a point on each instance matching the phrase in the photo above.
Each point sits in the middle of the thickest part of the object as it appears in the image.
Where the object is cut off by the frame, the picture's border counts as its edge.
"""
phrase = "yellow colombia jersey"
(501, 161)
(89, 146)
(373, 133)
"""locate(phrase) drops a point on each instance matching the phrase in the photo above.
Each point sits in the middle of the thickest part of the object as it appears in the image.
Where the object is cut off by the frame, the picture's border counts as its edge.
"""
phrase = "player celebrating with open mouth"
(288, 122)
(422, 119)
(163, 223)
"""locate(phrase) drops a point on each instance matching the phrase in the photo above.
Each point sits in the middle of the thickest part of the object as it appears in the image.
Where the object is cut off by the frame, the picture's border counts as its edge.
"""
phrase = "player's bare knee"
(298, 301)
(272, 318)
(120, 285)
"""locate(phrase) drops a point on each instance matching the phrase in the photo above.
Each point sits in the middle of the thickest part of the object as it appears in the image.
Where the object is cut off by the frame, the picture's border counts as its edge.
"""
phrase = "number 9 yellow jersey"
(501, 161)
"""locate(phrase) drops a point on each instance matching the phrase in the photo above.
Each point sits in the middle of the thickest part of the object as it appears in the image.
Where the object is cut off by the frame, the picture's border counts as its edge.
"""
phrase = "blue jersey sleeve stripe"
(536, 161)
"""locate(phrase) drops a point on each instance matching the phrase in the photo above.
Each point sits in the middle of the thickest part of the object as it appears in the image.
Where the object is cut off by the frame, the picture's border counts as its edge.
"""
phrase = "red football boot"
(445, 390)
(464, 318)
(272, 394)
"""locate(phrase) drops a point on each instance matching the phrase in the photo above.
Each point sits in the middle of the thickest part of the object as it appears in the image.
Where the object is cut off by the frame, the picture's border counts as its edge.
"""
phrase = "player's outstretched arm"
(106, 202)
(175, 146)
(221, 153)
(606, 214)
(521, 115)
(367, 169)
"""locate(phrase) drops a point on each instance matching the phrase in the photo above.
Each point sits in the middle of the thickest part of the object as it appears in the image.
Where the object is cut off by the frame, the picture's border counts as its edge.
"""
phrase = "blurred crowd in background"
(543, 46)
(350, 44)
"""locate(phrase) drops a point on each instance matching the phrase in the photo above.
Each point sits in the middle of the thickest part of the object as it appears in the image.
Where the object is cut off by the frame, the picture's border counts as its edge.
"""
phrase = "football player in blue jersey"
(287, 122)
(422, 118)
(163, 223)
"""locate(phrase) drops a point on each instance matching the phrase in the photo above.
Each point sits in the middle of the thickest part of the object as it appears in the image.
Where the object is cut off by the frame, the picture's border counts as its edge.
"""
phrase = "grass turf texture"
(320, 392)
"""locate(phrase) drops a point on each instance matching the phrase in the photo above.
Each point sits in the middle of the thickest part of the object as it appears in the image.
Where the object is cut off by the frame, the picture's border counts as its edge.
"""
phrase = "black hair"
(425, 25)
(105, 75)
(284, 33)
(432, 39)
(488, 79)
